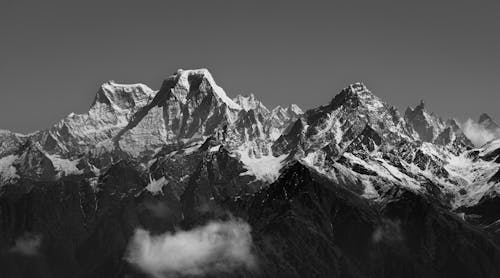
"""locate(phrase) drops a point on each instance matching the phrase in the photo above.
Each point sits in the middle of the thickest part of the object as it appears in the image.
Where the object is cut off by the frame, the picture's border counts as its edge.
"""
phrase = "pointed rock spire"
(484, 117)
(487, 122)
(421, 105)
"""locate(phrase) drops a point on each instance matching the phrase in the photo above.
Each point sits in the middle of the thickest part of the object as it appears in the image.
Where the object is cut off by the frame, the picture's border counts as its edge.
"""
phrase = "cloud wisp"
(27, 245)
(213, 248)
(478, 134)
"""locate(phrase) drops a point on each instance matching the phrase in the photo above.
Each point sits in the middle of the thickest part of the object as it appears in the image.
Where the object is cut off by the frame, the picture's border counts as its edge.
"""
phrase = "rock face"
(428, 126)
(349, 189)
(486, 121)
(340, 234)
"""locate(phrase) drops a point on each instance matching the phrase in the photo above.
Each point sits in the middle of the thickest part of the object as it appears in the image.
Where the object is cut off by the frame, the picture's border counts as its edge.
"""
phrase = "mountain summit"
(487, 122)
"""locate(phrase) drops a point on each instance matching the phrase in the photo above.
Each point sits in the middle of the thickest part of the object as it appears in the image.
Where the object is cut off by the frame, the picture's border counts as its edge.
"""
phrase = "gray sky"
(55, 54)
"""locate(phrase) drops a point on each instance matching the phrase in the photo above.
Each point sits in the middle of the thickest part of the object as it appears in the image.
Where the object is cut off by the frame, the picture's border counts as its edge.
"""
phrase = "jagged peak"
(484, 117)
(123, 96)
(357, 94)
(431, 127)
(358, 89)
(289, 112)
(249, 102)
(111, 86)
(278, 108)
(488, 122)
(421, 105)
(419, 109)
(184, 84)
(294, 108)
(357, 85)
(453, 124)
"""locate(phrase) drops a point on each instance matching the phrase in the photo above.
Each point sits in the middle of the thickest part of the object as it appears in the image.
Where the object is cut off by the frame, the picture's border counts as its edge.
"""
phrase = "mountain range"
(352, 188)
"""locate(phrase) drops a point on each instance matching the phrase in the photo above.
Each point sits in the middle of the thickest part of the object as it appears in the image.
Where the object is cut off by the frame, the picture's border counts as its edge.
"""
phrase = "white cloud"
(477, 134)
(216, 247)
(27, 245)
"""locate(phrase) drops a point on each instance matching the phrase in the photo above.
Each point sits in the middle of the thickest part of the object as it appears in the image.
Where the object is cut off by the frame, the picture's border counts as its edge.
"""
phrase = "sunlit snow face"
(265, 168)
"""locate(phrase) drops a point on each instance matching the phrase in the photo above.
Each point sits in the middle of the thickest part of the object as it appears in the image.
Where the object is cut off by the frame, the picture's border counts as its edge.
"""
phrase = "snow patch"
(216, 89)
(274, 133)
(369, 190)
(214, 148)
(68, 167)
(295, 109)
(475, 173)
(436, 151)
(156, 186)
(265, 168)
(8, 172)
(384, 170)
(490, 147)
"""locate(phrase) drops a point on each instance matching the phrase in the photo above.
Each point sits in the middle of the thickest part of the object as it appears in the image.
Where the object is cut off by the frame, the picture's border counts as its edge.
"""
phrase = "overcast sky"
(55, 54)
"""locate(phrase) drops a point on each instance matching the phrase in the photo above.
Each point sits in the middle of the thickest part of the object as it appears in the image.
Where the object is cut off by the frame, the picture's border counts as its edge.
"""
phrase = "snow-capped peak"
(486, 121)
(184, 82)
(358, 87)
(420, 106)
(112, 86)
(249, 102)
(358, 90)
(295, 109)
(427, 125)
(484, 117)
(356, 95)
(285, 114)
(123, 96)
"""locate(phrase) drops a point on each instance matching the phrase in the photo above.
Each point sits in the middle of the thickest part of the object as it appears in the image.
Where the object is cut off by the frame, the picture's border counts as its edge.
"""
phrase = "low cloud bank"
(27, 245)
(478, 134)
(213, 248)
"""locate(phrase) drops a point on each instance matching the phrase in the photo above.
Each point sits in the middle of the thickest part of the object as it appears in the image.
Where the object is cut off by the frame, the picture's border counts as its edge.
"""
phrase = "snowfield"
(265, 168)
